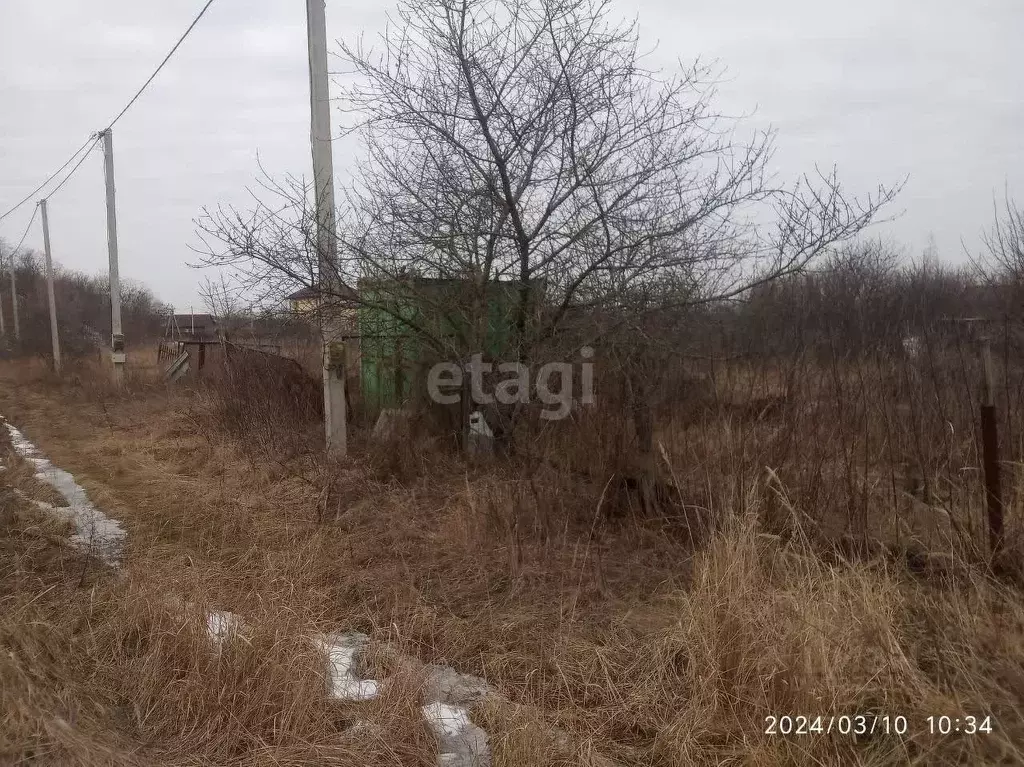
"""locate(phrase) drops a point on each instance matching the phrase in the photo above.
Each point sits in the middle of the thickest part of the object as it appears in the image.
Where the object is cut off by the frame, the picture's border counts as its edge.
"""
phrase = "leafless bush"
(863, 299)
(270, 402)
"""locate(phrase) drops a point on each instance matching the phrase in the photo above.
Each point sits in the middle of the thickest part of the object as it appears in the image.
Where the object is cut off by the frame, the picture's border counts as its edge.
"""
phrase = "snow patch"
(462, 743)
(447, 721)
(341, 651)
(221, 624)
(95, 532)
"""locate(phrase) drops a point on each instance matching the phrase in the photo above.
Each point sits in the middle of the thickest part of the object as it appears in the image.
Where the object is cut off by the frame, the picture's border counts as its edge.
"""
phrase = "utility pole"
(54, 338)
(326, 236)
(117, 354)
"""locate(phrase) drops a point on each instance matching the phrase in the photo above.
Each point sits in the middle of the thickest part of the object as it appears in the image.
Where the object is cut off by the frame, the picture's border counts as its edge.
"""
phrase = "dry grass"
(107, 668)
(612, 638)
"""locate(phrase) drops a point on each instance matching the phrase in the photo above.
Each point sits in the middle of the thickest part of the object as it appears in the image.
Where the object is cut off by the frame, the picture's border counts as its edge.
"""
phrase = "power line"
(52, 176)
(27, 228)
(120, 114)
(166, 59)
(95, 141)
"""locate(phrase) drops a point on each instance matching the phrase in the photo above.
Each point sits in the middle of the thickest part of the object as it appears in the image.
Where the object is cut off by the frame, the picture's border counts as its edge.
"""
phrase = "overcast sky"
(932, 89)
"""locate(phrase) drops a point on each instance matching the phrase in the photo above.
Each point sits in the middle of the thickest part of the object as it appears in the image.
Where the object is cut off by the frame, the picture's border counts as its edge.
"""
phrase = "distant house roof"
(184, 321)
(303, 294)
(192, 326)
(307, 293)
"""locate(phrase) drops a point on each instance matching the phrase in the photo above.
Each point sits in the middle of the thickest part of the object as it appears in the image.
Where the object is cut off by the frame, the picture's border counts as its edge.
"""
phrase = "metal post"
(990, 452)
(14, 300)
(54, 337)
(117, 354)
(327, 243)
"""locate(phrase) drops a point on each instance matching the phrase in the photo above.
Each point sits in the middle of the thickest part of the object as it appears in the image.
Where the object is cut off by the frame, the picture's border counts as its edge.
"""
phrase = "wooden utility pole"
(117, 354)
(326, 236)
(54, 337)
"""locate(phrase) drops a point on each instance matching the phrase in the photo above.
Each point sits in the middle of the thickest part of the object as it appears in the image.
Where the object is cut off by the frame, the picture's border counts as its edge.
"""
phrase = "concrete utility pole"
(327, 243)
(54, 337)
(117, 354)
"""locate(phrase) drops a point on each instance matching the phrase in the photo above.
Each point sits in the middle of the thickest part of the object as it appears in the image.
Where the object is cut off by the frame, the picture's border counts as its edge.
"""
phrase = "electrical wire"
(120, 114)
(85, 156)
(27, 228)
(166, 59)
(52, 176)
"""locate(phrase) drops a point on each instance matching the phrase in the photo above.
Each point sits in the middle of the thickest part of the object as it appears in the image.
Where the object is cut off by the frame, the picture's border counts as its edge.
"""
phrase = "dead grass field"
(640, 644)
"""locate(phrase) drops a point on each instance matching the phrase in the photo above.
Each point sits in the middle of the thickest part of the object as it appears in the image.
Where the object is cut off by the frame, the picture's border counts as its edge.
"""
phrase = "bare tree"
(223, 300)
(1004, 243)
(1002, 259)
(525, 141)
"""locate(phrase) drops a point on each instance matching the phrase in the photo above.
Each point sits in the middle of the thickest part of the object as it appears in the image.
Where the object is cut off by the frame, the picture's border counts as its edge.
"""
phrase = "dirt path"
(445, 696)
